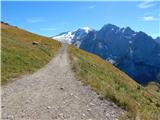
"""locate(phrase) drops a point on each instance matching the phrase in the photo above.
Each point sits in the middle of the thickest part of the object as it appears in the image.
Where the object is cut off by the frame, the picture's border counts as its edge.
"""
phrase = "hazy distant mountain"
(135, 53)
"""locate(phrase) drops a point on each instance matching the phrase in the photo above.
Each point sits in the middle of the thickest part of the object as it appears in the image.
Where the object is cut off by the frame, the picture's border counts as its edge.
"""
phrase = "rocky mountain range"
(135, 53)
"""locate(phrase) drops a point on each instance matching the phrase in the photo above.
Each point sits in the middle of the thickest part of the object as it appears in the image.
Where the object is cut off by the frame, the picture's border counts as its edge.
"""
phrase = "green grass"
(19, 56)
(111, 83)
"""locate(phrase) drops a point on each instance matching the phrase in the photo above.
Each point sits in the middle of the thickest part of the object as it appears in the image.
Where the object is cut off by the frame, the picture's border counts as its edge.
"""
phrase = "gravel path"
(53, 93)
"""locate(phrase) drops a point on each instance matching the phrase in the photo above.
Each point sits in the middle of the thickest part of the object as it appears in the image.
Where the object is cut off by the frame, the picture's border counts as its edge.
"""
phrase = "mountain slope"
(135, 53)
(24, 52)
(111, 83)
(53, 93)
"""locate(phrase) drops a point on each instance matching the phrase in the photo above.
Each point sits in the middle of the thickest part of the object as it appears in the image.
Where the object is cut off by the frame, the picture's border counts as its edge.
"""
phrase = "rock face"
(157, 40)
(135, 53)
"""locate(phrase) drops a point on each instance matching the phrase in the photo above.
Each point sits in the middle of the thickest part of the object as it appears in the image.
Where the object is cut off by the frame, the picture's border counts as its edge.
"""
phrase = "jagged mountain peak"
(109, 27)
(157, 40)
(143, 35)
(87, 29)
(129, 30)
(84, 29)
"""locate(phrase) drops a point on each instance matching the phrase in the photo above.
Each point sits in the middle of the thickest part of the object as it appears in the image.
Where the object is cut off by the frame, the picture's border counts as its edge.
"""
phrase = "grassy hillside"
(111, 83)
(19, 55)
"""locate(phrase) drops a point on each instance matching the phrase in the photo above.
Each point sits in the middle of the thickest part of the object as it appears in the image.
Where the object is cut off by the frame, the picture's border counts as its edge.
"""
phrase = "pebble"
(28, 101)
(83, 114)
(48, 107)
(101, 97)
(92, 104)
(10, 117)
(112, 104)
(76, 96)
(122, 113)
(61, 115)
(22, 115)
(107, 114)
(64, 102)
(62, 88)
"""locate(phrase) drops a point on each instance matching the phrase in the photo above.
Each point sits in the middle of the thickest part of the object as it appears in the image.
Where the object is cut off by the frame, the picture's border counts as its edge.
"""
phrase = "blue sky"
(51, 18)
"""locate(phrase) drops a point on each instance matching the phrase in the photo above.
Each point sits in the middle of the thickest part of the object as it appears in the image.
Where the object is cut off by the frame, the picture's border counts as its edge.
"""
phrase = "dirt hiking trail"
(53, 93)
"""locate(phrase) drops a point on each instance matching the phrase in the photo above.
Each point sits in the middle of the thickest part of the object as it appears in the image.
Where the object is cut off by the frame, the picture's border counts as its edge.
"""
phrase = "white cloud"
(146, 4)
(91, 7)
(35, 20)
(147, 18)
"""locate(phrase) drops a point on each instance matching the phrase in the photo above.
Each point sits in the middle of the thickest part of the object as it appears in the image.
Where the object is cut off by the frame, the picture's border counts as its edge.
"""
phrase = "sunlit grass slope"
(113, 84)
(19, 56)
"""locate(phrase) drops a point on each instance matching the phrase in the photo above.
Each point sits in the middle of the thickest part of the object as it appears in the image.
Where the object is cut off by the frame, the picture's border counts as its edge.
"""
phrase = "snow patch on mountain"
(128, 37)
(73, 36)
(87, 29)
(65, 38)
(95, 36)
(130, 42)
(123, 30)
(100, 45)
